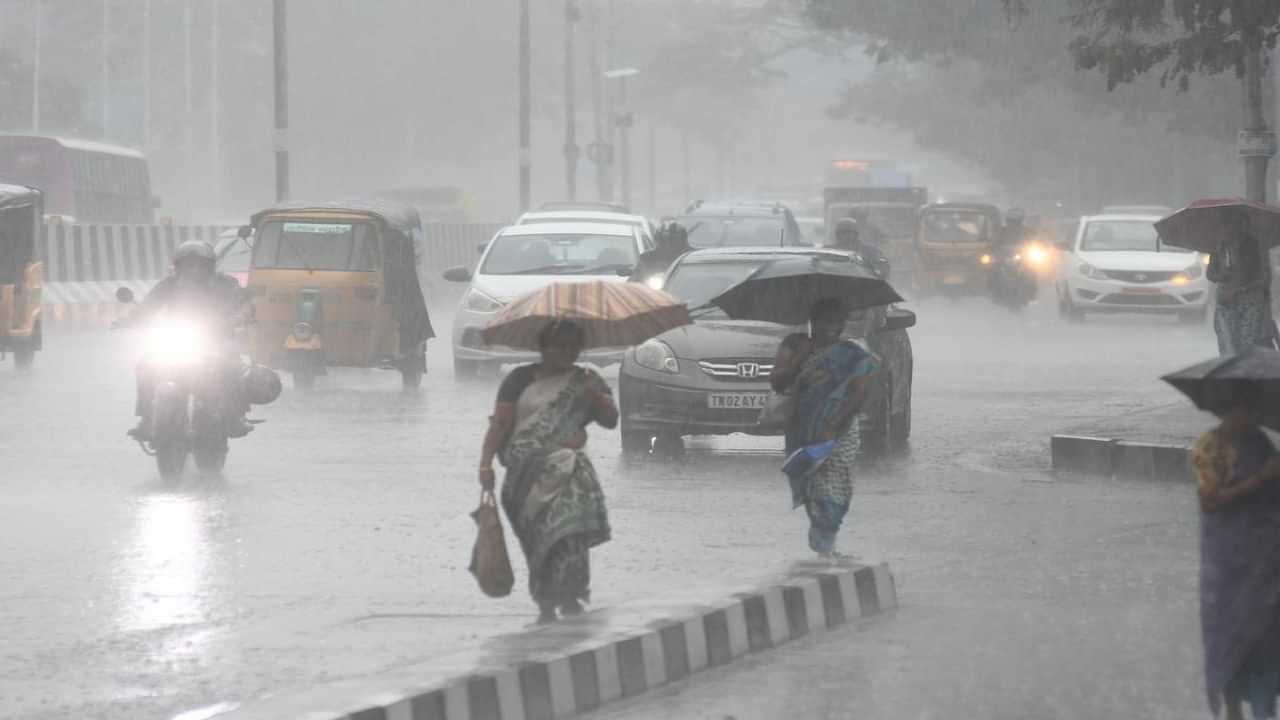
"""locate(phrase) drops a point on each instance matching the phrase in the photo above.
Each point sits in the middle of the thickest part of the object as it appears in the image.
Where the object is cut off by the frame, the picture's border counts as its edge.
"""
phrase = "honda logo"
(1141, 277)
(748, 370)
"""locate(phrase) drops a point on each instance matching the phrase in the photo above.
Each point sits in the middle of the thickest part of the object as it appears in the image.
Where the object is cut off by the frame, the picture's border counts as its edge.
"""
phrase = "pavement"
(335, 548)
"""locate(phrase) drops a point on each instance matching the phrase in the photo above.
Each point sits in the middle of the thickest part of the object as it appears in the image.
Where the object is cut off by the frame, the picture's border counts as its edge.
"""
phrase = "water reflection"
(165, 571)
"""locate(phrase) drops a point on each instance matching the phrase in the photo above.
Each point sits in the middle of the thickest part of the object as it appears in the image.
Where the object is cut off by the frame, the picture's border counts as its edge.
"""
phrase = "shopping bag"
(489, 561)
(776, 412)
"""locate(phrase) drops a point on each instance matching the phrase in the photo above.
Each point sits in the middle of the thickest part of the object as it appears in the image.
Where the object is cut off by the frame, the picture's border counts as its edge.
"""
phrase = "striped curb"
(580, 664)
(1112, 458)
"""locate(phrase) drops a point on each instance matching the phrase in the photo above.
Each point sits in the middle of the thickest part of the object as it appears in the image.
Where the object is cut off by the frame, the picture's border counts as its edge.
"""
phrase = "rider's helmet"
(674, 234)
(194, 257)
(846, 233)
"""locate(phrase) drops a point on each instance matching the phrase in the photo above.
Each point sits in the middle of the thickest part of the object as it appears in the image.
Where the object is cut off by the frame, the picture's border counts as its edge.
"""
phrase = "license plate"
(1141, 291)
(736, 401)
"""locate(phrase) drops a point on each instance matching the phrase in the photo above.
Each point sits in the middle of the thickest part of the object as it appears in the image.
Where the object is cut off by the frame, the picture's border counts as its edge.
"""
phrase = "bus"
(82, 180)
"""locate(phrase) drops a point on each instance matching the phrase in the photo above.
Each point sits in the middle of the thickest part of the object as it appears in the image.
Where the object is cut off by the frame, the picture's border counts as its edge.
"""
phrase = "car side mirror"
(457, 274)
(480, 248)
(625, 271)
(244, 232)
(899, 319)
(124, 295)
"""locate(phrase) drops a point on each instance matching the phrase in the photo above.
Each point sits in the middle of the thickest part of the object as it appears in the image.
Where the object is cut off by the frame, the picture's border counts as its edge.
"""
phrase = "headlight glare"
(171, 342)
(657, 355)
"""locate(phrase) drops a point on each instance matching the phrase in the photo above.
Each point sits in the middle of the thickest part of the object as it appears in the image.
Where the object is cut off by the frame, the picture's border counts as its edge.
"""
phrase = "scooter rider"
(197, 289)
(848, 237)
(673, 241)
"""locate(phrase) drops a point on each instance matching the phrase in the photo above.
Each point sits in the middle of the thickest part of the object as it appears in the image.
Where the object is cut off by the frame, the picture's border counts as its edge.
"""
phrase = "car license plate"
(1140, 291)
(736, 401)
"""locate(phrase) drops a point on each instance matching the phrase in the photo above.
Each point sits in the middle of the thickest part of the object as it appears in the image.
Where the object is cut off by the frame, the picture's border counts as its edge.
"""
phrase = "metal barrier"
(85, 264)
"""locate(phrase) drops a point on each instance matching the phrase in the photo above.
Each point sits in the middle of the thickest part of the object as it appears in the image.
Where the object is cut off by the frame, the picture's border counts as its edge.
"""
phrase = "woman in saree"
(829, 377)
(551, 495)
(1237, 473)
(1241, 270)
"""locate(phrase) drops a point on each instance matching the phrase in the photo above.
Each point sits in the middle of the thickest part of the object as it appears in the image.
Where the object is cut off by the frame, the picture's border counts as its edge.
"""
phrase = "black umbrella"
(1215, 385)
(784, 290)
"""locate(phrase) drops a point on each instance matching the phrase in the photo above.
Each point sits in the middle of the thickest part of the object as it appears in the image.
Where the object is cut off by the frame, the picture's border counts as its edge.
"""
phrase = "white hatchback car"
(524, 258)
(542, 217)
(1116, 263)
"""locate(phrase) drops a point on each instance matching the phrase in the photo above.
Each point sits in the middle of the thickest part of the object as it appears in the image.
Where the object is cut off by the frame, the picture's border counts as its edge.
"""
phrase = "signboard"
(1255, 143)
(318, 228)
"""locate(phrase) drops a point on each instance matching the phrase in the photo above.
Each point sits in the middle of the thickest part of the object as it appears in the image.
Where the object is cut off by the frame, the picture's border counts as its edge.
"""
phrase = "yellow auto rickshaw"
(21, 273)
(953, 247)
(338, 285)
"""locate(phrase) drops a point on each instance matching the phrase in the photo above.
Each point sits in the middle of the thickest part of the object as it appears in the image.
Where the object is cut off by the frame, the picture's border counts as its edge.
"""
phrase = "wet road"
(337, 543)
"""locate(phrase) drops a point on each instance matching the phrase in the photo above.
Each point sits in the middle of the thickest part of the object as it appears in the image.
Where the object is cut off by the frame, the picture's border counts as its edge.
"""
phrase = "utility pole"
(188, 106)
(35, 66)
(215, 134)
(526, 159)
(280, 139)
(106, 68)
(600, 152)
(622, 122)
(571, 17)
(1257, 144)
(146, 74)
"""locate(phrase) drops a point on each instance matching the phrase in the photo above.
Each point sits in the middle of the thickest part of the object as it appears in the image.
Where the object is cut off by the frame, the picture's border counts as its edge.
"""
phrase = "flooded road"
(338, 541)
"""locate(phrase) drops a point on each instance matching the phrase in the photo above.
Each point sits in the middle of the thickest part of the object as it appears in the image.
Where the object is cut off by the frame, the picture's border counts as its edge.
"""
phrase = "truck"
(886, 205)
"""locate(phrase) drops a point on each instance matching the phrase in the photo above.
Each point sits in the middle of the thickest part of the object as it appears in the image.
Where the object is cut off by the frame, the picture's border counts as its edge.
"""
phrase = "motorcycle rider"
(1010, 278)
(195, 288)
(672, 241)
(848, 237)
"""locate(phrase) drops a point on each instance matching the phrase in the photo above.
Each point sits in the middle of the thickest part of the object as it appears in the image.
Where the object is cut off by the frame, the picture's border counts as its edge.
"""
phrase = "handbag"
(777, 411)
(490, 563)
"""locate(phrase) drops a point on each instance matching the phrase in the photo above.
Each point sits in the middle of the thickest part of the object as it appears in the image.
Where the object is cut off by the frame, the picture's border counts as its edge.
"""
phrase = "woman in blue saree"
(1238, 477)
(551, 494)
(828, 376)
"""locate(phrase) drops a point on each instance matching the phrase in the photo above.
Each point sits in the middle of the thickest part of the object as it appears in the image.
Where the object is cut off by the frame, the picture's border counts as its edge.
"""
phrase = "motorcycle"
(1015, 272)
(187, 364)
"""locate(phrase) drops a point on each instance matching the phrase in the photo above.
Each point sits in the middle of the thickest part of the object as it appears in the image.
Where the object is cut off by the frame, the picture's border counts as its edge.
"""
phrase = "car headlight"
(657, 355)
(1181, 278)
(172, 342)
(1090, 271)
(477, 301)
(985, 259)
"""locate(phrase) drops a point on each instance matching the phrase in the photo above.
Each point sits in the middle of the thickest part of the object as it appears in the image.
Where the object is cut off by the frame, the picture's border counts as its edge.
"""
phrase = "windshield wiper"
(607, 267)
(557, 269)
(703, 310)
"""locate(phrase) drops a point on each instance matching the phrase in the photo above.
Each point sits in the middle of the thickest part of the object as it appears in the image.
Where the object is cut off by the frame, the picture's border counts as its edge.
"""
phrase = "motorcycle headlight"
(172, 342)
(657, 355)
(654, 281)
(477, 301)
(1036, 254)
(1090, 271)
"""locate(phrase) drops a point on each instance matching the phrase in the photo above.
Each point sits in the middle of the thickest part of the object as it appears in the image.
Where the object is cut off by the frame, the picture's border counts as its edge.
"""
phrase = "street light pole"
(35, 66)
(570, 104)
(215, 134)
(525, 153)
(280, 138)
(106, 68)
(146, 73)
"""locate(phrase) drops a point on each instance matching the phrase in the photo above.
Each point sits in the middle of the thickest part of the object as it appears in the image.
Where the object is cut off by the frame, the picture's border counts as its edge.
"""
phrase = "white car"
(524, 258)
(1116, 263)
(593, 216)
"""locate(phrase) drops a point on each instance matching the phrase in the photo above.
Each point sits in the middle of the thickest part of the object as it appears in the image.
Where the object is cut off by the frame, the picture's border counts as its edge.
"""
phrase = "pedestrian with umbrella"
(1237, 472)
(551, 494)
(1238, 236)
(826, 374)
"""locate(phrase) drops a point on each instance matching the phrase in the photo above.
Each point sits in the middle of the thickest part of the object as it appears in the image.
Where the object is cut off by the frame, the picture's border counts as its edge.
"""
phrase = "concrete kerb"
(1113, 458)
(590, 668)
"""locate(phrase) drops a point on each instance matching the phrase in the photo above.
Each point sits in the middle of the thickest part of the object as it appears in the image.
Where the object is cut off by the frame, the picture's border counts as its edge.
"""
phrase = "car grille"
(1147, 300)
(737, 369)
(1139, 276)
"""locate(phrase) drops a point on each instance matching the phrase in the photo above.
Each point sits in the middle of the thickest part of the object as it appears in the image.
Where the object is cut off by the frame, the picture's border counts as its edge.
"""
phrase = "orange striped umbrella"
(613, 314)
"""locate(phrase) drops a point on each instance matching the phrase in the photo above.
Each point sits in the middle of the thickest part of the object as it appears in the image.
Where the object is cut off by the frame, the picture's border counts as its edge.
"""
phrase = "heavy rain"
(708, 359)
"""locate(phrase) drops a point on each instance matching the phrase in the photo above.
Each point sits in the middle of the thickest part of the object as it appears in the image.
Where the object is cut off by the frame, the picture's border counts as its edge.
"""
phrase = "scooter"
(1014, 275)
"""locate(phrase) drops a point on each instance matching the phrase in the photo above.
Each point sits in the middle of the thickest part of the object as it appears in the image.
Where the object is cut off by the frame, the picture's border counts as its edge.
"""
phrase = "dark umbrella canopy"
(783, 291)
(1205, 224)
(1216, 385)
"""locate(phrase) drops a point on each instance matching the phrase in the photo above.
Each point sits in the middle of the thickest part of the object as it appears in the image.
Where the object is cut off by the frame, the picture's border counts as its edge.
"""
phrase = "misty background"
(732, 98)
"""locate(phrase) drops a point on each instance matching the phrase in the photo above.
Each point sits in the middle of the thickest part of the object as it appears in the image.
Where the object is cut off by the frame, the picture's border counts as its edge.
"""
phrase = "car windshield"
(734, 231)
(697, 282)
(1123, 236)
(560, 254)
(235, 257)
(316, 246)
(954, 226)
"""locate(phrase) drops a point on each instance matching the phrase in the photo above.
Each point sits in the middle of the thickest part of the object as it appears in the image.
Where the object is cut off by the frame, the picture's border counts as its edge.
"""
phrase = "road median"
(577, 665)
